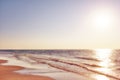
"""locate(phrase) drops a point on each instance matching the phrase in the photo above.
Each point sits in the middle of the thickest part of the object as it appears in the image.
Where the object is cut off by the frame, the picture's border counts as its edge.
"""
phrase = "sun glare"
(102, 19)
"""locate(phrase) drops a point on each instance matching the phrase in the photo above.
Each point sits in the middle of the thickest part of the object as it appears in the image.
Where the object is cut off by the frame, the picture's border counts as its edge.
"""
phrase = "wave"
(66, 64)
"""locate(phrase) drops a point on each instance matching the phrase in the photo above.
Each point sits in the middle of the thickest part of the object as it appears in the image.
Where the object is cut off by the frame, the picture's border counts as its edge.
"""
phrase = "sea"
(70, 64)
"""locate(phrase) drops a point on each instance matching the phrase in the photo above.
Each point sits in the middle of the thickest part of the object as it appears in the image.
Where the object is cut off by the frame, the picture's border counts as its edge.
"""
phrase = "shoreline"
(7, 73)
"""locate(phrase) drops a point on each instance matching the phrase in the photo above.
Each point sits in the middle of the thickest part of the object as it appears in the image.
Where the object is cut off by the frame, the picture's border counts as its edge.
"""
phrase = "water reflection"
(101, 77)
(104, 56)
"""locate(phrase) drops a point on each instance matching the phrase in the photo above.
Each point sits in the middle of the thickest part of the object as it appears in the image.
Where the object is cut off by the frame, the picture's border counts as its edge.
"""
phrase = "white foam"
(14, 61)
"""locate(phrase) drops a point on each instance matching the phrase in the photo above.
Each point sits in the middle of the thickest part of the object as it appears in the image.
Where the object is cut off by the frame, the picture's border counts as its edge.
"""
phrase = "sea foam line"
(58, 62)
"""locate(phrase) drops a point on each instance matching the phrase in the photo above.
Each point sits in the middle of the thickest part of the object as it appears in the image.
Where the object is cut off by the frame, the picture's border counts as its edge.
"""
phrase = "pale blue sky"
(54, 24)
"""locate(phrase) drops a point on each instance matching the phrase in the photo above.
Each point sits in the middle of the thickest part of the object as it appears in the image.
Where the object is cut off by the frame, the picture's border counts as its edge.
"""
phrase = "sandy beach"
(63, 65)
(6, 73)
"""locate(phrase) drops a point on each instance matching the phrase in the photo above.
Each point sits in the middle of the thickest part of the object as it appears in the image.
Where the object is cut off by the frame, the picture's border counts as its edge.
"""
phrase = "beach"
(7, 73)
(60, 65)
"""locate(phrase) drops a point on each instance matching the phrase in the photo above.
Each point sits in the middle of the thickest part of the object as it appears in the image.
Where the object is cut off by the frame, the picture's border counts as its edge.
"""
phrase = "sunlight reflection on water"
(104, 56)
(101, 77)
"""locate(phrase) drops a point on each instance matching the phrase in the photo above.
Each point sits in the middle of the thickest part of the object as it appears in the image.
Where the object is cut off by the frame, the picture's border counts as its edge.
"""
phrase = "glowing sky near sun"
(59, 24)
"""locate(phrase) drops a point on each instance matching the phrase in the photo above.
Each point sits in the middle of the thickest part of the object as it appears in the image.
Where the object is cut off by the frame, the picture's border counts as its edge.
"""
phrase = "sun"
(102, 19)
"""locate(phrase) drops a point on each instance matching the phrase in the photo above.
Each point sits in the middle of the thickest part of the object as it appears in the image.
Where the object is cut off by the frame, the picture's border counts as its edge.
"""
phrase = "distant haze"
(59, 24)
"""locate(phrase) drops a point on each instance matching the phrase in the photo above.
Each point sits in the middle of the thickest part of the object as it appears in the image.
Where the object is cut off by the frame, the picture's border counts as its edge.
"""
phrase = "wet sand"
(6, 73)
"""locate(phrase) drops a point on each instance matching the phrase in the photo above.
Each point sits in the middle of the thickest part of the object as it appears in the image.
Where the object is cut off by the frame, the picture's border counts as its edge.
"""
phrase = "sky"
(59, 24)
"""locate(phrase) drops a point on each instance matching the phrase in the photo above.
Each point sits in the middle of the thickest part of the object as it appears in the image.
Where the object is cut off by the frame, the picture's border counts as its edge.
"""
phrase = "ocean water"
(99, 64)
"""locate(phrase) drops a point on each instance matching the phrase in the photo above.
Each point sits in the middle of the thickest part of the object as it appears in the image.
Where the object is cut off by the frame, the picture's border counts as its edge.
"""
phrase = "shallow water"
(99, 64)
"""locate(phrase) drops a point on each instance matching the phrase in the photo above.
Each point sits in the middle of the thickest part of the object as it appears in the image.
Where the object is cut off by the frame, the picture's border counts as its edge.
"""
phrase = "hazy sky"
(59, 24)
